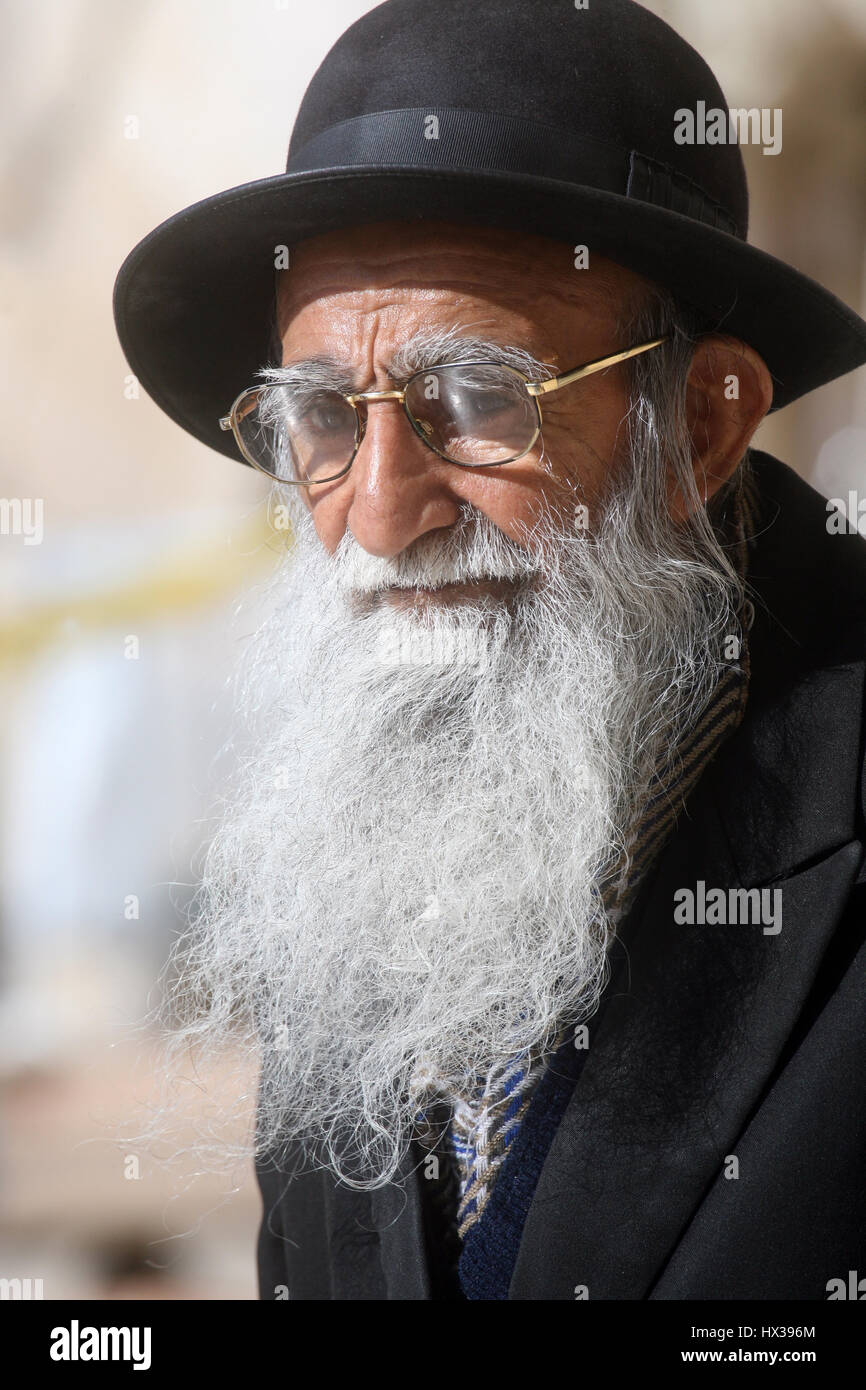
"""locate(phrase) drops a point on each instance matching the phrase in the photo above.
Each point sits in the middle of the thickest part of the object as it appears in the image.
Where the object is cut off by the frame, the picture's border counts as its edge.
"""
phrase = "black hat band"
(442, 137)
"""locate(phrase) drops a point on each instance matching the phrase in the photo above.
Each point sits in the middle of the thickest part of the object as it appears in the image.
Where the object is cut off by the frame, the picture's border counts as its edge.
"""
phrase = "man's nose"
(400, 488)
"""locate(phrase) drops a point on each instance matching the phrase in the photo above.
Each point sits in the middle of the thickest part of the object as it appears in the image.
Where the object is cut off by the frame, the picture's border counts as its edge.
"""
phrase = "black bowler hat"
(549, 119)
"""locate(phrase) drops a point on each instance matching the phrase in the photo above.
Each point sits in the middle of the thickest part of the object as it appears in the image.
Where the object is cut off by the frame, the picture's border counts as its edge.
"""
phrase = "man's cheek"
(329, 520)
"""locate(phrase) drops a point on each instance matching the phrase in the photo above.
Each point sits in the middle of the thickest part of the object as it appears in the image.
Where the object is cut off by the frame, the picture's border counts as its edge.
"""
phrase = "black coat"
(712, 1040)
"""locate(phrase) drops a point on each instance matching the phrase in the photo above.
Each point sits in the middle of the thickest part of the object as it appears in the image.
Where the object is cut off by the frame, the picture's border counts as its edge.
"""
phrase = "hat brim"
(193, 301)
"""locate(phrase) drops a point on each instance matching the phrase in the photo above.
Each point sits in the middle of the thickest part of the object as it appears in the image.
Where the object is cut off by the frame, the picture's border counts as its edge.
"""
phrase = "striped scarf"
(483, 1124)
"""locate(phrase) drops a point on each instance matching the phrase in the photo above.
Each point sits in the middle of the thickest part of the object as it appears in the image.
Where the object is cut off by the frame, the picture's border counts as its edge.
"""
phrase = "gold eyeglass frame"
(534, 389)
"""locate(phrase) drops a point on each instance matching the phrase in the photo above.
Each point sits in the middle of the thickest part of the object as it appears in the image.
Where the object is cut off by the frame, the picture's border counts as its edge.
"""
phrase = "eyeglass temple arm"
(541, 388)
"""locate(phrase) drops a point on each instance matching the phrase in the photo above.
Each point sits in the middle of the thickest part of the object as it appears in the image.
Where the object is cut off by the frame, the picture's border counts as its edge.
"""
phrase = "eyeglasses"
(475, 414)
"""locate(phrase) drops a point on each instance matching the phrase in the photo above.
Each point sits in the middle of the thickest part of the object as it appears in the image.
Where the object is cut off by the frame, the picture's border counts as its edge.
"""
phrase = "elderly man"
(541, 902)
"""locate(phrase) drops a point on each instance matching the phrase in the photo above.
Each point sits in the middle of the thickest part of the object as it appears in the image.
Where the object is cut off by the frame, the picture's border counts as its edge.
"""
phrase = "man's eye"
(483, 403)
(326, 418)
(322, 415)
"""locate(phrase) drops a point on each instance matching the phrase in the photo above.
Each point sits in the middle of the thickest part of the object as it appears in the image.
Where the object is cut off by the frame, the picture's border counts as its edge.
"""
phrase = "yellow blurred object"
(187, 581)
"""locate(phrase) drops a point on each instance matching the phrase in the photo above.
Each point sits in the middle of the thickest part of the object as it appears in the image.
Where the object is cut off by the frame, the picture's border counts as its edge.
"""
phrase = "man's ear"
(728, 394)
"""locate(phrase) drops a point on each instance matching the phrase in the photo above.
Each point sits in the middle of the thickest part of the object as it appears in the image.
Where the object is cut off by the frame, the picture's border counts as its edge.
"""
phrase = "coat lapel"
(375, 1240)
(691, 1034)
(397, 1214)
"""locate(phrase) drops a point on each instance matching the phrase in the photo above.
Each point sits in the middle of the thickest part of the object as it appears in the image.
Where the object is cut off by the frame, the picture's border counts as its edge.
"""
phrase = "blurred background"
(116, 631)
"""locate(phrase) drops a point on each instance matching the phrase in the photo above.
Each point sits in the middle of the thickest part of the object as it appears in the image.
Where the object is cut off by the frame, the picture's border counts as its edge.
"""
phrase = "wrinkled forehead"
(435, 261)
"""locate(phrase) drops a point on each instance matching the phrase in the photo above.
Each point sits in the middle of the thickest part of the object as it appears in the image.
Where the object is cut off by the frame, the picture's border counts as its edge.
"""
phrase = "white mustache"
(473, 550)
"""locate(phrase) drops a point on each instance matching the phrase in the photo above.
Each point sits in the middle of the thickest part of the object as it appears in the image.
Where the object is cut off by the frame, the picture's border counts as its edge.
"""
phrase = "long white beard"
(408, 877)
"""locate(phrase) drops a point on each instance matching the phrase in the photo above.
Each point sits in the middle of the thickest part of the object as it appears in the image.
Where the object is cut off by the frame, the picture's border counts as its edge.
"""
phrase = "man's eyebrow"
(317, 373)
(425, 348)
(438, 347)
